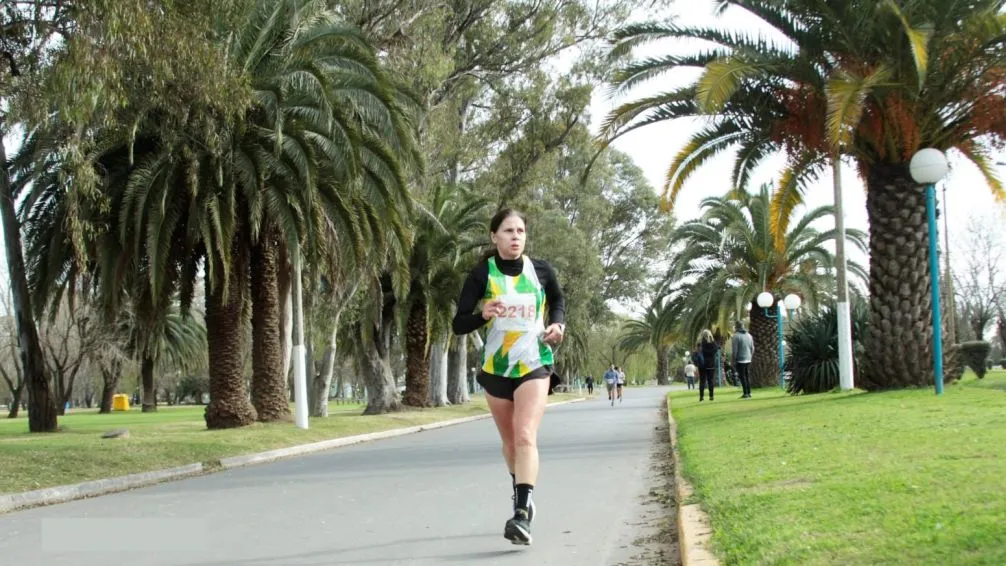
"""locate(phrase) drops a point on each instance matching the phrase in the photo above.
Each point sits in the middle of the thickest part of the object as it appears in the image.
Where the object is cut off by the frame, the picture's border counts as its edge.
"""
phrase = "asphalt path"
(436, 497)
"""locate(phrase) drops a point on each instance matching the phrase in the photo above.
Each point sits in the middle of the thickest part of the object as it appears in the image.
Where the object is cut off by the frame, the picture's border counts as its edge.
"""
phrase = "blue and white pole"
(927, 167)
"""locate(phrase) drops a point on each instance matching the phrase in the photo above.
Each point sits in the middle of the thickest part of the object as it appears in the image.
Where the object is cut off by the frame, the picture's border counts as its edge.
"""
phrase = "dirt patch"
(656, 527)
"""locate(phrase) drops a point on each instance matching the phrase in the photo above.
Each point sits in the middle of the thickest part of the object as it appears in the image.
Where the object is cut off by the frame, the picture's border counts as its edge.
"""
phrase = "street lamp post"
(927, 167)
(791, 302)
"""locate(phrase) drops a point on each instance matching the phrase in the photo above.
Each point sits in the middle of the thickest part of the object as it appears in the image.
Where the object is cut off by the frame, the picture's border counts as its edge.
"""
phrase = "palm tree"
(447, 235)
(731, 254)
(873, 81)
(654, 329)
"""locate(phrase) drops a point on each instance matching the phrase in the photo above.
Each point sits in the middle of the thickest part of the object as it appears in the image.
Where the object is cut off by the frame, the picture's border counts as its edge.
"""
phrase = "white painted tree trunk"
(457, 372)
(287, 331)
(438, 373)
(845, 367)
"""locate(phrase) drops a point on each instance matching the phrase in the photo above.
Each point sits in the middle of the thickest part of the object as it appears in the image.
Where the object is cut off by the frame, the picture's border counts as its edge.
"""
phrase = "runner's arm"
(553, 295)
(466, 320)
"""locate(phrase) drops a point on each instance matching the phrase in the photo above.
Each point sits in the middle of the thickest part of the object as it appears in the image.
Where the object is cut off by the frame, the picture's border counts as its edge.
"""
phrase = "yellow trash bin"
(120, 402)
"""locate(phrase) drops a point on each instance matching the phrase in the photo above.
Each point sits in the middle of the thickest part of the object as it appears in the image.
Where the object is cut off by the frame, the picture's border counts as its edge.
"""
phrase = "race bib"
(520, 313)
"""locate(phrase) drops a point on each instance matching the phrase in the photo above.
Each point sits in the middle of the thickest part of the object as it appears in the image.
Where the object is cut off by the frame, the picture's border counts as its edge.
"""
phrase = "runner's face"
(510, 238)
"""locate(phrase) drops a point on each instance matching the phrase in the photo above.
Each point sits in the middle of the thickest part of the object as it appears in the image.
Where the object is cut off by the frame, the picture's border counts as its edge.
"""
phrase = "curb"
(694, 527)
(65, 493)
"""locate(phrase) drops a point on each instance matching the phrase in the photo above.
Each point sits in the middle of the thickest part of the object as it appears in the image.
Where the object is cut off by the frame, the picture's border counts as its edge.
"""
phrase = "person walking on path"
(709, 349)
(690, 371)
(590, 385)
(742, 352)
(523, 307)
(610, 380)
(620, 383)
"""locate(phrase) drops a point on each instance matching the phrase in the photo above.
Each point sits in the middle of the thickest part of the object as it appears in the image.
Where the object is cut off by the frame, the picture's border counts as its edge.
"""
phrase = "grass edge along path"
(177, 436)
(901, 477)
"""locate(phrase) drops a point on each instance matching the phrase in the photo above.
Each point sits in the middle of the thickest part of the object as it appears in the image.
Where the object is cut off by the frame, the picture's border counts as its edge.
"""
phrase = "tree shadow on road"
(338, 555)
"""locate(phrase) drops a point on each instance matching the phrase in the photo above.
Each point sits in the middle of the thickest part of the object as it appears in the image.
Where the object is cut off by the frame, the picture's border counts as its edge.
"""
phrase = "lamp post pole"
(927, 167)
(791, 303)
(782, 359)
(934, 275)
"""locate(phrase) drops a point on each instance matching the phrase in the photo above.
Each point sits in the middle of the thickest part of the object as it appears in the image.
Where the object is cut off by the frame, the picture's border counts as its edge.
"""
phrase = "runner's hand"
(492, 309)
(554, 334)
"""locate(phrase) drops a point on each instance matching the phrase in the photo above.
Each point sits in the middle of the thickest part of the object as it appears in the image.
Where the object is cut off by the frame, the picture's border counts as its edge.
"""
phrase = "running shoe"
(518, 529)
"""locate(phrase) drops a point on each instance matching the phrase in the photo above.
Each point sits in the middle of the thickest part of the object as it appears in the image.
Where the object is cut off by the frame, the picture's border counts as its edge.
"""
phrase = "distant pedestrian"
(742, 352)
(709, 349)
(590, 385)
(690, 371)
(620, 383)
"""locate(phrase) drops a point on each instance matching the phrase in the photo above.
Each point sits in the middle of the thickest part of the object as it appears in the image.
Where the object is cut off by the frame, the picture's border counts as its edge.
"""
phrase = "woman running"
(522, 305)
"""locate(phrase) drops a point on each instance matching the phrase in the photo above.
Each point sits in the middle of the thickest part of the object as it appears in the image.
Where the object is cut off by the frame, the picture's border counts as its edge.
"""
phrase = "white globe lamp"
(928, 166)
(792, 302)
(765, 299)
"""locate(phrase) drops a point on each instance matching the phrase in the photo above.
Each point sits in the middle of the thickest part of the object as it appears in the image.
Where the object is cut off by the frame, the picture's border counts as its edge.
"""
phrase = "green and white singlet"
(514, 346)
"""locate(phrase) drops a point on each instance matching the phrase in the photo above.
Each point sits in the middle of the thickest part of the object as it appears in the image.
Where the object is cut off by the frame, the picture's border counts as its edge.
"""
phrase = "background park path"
(437, 497)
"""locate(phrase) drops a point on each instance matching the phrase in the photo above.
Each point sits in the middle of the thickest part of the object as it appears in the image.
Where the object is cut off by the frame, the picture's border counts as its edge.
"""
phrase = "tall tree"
(448, 234)
(980, 279)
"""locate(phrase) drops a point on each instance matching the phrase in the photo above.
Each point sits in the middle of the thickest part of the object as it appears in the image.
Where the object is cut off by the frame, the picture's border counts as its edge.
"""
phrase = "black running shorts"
(503, 387)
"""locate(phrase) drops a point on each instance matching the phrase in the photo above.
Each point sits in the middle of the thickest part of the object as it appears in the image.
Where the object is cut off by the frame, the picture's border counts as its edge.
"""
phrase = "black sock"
(524, 495)
(513, 482)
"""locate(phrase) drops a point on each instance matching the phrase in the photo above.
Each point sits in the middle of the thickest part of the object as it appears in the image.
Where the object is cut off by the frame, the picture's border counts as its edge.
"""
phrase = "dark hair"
(494, 224)
(502, 215)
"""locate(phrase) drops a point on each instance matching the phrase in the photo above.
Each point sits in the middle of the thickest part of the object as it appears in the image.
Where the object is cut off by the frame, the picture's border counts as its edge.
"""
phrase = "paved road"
(437, 497)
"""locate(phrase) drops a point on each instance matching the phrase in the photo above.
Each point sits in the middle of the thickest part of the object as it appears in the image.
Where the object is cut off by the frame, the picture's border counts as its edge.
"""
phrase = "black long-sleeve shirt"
(468, 319)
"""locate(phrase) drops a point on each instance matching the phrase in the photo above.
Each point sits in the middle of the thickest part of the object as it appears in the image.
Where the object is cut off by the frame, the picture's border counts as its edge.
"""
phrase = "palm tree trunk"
(662, 374)
(438, 373)
(41, 402)
(900, 335)
(457, 371)
(765, 334)
(417, 368)
(149, 388)
(268, 386)
(229, 406)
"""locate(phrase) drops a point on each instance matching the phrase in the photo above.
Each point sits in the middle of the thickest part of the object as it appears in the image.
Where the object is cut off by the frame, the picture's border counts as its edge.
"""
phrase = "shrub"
(1002, 363)
(813, 348)
(975, 353)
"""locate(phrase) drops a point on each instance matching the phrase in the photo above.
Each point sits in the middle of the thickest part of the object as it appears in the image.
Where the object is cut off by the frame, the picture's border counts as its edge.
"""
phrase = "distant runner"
(610, 380)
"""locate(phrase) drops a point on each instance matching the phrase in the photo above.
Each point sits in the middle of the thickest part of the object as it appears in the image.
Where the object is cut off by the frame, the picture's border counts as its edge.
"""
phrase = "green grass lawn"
(901, 477)
(175, 436)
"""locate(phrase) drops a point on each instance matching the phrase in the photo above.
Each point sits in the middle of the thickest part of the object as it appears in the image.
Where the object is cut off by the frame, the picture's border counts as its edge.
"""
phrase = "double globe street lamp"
(927, 167)
(790, 303)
